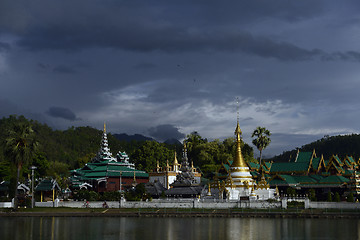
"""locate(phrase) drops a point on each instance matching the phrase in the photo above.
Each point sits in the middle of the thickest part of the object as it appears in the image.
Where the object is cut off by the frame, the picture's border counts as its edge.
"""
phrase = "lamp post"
(120, 190)
(32, 186)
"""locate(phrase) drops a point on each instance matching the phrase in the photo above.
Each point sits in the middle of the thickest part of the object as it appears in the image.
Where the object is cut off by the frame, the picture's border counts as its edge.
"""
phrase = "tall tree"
(20, 147)
(262, 139)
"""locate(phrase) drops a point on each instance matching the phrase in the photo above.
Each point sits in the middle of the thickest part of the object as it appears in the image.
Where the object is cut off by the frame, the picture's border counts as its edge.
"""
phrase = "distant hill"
(341, 145)
(129, 138)
(173, 141)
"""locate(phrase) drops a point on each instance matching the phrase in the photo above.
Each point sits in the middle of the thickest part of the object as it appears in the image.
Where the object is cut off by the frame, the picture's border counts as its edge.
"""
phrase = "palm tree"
(262, 139)
(20, 147)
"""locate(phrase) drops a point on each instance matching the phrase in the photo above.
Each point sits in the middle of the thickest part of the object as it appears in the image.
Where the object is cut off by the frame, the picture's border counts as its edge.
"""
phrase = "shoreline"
(301, 213)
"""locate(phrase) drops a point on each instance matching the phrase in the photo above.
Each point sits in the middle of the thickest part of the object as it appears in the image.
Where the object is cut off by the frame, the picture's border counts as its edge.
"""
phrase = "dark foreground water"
(79, 228)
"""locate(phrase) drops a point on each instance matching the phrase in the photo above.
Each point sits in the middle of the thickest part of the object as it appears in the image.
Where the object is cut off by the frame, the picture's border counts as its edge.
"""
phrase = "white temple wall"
(265, 194)
(163, 180)
(236, 193)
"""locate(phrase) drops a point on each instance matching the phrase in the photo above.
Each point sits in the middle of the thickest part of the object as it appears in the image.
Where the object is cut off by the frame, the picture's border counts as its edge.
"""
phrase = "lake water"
(109, 228)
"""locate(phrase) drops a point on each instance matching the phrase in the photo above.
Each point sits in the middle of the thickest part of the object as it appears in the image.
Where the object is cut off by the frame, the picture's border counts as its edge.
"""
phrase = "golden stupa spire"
(157, 166)
(239, 160)
(175, 160)
(209, 190)
(104, 127)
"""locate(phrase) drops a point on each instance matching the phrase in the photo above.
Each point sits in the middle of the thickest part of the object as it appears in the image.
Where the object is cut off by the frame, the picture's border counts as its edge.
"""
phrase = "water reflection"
(108, 228)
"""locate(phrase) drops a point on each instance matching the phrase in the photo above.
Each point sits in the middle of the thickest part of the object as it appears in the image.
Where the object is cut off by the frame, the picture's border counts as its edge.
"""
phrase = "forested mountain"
(341, 145)
(129, 138)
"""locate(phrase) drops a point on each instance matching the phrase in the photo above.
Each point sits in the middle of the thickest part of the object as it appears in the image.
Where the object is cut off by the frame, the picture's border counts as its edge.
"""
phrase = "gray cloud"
(145, 66)
(119, 26)
(172, 39)
(166, 131)
(64, 69)
(60, 112)
(4, 47)
(138, 64)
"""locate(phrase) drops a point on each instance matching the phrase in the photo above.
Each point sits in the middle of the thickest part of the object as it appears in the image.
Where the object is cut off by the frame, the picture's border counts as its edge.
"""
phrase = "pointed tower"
(239, 171)
(176, 166)
(157, 166)
(239, 181)
(104, 153)
(186, 176)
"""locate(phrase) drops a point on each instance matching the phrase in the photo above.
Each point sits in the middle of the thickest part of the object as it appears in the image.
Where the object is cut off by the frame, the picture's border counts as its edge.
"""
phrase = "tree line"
(341, 145)
(56, 152)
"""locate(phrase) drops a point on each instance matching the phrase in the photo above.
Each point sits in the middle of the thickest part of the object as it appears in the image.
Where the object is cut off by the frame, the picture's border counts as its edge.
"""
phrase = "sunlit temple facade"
(239, 183)
(167, 175)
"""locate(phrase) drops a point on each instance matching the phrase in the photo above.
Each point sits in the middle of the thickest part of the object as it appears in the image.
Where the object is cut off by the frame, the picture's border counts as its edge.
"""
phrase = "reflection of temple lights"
(52, 227)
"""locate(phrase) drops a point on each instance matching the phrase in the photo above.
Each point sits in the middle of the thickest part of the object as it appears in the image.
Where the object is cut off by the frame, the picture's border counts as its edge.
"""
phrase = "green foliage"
(329, 196)
(208, 156)
(350, 197)
(138, 193)
(291, 191)
(81, 161)
(312, 194)
(111, 196)
(337, 197)
(148, 153)
(82, 195)
(41, 163)
(262, 139)
(342, 145)
(20, 146)
(61, 151)
(5, 170)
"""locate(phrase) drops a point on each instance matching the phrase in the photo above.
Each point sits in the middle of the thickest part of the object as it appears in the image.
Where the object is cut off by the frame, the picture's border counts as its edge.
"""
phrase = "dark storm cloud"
(64, 69)
(60, 112)
(4, 47)
(166, 131)
(286, 142)
(145, 66)
(61, 69)
(150, 29)
(8, 108)
(344, 56)
(43, 66)
(137, 64)
(171, 39)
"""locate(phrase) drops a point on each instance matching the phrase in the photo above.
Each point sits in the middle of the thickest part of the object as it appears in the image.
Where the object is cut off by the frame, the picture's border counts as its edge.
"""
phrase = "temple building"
(106, 173)
(167, 175)
(186, 185)
(305, 172)
(238, 183)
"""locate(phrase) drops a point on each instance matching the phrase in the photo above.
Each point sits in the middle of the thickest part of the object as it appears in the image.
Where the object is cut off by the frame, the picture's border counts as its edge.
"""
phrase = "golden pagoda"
(239, 182)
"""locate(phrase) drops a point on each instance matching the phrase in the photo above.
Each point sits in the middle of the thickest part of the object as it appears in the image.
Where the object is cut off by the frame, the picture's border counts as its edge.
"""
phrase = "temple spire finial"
(104, 127)
(239, 160)
(175, 159)
(237, 108)
(157, 166)
(237, 130)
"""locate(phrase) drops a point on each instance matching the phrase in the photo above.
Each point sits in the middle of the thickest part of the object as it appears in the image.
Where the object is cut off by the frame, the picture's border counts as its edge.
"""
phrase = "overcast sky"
(167, 68)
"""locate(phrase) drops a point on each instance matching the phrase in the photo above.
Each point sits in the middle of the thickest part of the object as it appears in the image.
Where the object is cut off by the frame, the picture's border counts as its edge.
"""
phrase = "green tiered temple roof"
(104, 166)
(305, 171)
